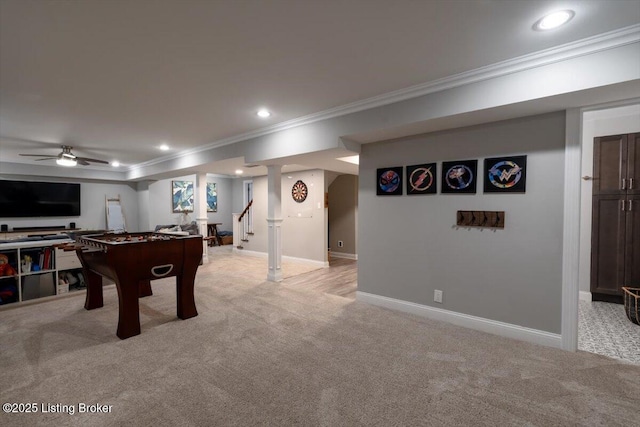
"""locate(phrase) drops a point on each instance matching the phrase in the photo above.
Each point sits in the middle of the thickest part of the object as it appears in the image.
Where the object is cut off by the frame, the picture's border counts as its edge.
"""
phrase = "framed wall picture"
(505, 174)
(212, 197)
(422, 179)
(182, 196)
(459, 176)
(389, 181)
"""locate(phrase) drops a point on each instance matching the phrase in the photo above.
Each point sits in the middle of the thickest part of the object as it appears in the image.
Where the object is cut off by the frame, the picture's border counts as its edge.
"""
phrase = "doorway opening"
(605, 230)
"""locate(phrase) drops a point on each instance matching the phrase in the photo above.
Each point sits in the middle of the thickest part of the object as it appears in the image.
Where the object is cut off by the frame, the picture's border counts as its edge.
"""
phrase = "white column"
(571, 229)
(142, 189)
(201, 209)
(274, 222)
(236, 229)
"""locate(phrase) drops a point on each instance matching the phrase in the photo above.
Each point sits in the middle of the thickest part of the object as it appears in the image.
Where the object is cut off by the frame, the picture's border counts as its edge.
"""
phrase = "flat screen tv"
(38, 199)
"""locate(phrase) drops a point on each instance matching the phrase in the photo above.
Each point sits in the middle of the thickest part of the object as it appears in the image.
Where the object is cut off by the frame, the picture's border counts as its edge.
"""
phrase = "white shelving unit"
(41, 280)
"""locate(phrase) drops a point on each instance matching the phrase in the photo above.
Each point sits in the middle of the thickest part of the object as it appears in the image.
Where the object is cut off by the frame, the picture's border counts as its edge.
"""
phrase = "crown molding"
(590, 45)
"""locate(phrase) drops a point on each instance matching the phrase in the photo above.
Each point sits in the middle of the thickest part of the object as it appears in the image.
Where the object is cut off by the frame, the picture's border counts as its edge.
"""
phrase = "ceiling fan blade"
(86, 159)
(67, 154)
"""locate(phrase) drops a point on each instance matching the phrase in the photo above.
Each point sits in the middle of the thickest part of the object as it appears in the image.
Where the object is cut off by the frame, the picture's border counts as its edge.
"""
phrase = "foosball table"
(132, 260)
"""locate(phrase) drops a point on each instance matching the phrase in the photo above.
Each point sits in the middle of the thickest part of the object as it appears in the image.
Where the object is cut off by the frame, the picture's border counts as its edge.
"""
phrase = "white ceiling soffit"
(565, 98)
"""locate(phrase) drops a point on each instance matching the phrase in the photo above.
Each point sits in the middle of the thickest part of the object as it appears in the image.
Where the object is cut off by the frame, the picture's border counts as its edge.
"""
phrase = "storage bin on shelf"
(632, 303)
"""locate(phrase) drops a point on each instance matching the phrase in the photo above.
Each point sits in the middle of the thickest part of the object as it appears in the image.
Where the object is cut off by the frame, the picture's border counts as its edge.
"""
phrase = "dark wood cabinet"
(616, 162)
(608, 245)
(632, 250)
(615, 244)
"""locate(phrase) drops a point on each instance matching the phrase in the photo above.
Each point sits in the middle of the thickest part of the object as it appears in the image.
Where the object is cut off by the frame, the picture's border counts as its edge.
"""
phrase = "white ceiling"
(115, 79)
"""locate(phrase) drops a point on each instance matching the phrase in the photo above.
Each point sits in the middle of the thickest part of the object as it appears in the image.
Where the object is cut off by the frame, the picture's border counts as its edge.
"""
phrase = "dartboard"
(299, 191)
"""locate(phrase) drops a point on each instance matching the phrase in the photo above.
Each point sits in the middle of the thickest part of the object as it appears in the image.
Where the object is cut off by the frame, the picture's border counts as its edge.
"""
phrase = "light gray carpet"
(261, 353)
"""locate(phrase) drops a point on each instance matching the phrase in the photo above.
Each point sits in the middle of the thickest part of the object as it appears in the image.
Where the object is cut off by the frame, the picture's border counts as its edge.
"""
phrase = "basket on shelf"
(632, 303)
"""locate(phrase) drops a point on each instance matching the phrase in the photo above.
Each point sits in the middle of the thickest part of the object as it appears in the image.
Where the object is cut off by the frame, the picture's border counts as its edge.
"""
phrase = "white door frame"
(572, 209)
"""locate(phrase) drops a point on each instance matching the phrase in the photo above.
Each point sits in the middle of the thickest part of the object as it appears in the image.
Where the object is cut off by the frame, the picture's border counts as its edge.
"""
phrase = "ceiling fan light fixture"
(66, 161)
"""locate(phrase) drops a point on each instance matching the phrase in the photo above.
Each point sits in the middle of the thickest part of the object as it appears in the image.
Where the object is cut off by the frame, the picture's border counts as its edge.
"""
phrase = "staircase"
(245, 226)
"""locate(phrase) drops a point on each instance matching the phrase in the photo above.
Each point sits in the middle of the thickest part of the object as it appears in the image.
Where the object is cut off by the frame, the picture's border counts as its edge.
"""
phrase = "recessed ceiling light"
(264, 113)
(238, 171)
(554, 20)
(164, 147)
(115, 163)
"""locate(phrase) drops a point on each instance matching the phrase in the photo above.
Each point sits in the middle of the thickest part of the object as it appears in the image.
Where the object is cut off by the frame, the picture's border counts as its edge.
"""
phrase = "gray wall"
(92, 205)
(237, 205)
(304, 224)
(161, 212)
(343, 211)
(142, 188)
(409, 245)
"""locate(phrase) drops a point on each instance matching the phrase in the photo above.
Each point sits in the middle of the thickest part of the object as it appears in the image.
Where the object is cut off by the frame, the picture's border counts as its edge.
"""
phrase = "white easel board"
(115, 215)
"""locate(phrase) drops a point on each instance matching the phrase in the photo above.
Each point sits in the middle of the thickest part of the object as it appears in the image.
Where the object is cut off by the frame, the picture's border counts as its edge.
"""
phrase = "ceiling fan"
(66, 158)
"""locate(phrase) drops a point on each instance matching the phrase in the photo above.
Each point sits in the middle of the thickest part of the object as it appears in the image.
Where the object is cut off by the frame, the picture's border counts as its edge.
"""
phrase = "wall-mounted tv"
(19, 199)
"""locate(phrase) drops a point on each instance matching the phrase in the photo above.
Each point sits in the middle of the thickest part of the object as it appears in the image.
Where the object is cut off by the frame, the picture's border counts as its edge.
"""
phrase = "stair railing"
(245, 219)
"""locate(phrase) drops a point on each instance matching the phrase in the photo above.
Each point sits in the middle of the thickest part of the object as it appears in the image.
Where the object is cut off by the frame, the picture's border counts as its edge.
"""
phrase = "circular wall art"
(459, 176)
(421, 179)
(389, 181)
(299, 191)
(505, 174)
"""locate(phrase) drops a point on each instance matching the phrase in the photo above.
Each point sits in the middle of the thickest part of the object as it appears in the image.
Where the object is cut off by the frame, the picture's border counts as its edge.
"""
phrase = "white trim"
(571, 229)
(585, 296)
(344, 255)
(32, 243)
(323, 264)
(472, 322)
(590, 45)
(307, 261)
(250, 253)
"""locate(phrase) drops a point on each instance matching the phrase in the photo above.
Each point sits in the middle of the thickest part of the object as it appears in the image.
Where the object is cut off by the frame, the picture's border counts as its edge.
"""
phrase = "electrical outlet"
(340, 243)
(437, 296)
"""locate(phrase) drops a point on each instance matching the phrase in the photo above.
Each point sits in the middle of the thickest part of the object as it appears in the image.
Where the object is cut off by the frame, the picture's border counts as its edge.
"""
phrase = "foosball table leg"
(94, 290)
(144, 288)
(129, 309)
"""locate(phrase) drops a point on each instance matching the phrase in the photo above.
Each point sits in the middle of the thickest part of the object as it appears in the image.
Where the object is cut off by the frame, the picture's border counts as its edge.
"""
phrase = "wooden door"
(608, 246)
(615, 245)
(633, 164)
(632, 246)
(609, 164)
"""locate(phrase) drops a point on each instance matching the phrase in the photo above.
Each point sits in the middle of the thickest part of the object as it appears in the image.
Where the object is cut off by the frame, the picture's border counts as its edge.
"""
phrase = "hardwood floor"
(339, 279)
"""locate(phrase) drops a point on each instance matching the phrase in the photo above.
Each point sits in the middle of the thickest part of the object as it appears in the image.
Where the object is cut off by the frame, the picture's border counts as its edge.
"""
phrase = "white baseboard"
(249, 253)
(585, 296)
(323, 264)
(344, 255)
(306, 261)
(472, 322)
